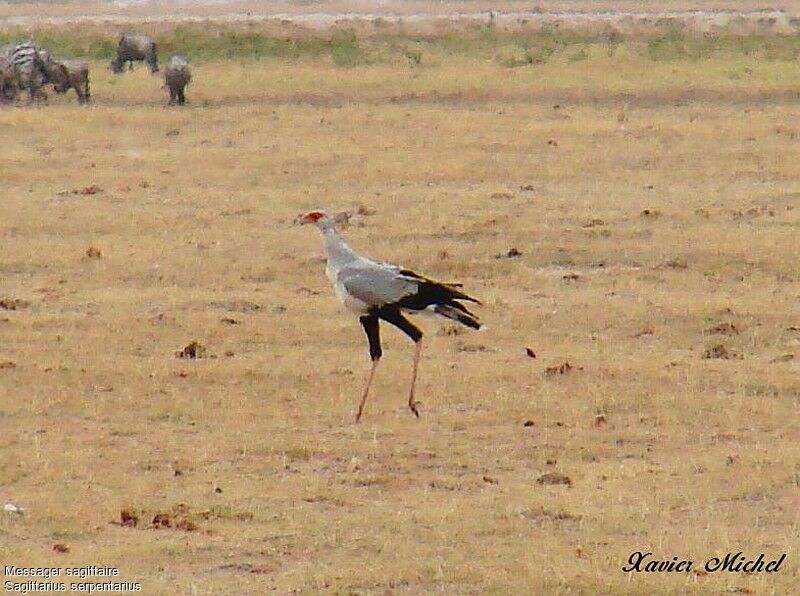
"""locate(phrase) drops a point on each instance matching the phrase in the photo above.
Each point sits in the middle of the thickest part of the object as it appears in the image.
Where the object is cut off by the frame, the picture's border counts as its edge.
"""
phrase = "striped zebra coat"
(34, 68)
(27, 65)
(9, 83)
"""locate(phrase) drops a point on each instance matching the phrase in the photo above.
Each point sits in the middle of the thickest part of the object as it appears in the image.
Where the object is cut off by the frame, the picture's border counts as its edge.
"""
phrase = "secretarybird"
(375, 291)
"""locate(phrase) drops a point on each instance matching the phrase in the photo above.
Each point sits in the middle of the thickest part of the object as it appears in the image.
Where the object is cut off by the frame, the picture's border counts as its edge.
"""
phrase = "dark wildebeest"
(135, 46)
(177, 75)
(77, 78)
(55, 73)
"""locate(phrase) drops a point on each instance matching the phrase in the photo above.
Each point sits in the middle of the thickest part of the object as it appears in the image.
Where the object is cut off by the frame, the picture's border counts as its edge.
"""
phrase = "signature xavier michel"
(734, 562)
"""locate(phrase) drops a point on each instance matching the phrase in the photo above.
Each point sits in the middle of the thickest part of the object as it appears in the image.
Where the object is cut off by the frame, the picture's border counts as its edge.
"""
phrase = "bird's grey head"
(319, 218)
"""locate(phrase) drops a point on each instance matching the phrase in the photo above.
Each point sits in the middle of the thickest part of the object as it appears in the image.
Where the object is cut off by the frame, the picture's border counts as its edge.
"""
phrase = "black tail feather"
(459, 313)
(460, 307)
(436, 291)
(442, 297)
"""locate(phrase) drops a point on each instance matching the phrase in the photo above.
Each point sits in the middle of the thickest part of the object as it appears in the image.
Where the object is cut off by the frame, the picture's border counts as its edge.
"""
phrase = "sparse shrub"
(579, 56)
(414, 56)
(345, 50)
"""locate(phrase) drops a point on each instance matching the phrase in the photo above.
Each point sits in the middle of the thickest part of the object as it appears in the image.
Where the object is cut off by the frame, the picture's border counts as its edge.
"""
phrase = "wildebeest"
(77, 78)
(135, 46)
(55, 73)
(177, 75)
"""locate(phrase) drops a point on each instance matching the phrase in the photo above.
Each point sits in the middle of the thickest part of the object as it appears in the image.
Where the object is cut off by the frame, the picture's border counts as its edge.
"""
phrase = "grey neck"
(339, 253)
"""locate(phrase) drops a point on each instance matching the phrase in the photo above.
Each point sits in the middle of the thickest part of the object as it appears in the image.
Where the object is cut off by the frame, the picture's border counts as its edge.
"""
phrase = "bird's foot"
(412, 405)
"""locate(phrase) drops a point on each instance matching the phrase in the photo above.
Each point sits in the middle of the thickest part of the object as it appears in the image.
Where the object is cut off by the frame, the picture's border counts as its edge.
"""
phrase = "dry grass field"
(655, 206)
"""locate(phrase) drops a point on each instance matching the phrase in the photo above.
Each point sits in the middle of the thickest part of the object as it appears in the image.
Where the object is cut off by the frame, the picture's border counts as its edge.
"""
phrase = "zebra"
(27, 64)
(9, 82)
(35, 68)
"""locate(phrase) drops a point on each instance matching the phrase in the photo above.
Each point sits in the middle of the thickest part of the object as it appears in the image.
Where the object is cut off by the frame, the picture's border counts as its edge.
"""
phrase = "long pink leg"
(366, 389)
(411, 403)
